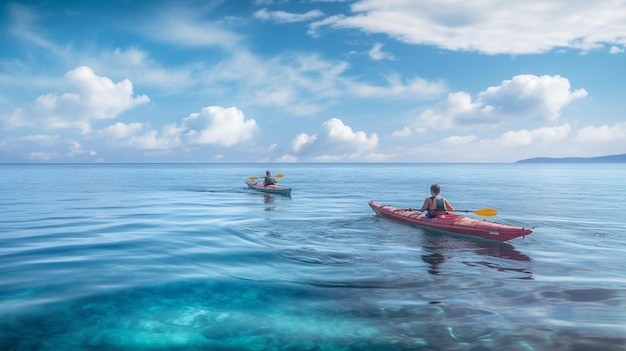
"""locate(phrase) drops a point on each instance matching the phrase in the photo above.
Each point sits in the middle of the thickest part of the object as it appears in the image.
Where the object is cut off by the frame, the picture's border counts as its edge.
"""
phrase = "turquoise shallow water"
(186, 257)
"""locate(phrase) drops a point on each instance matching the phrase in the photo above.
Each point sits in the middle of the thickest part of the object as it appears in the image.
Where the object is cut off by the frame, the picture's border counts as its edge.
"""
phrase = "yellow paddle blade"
(279, 175)
(486, 212)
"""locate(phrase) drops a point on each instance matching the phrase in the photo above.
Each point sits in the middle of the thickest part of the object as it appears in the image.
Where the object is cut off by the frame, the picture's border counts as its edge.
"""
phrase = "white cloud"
(403, 133)
(121, 62)
(541, 136)
(41, 156)
(334, 142)
(148, 71)
(599, 140)
(213, 125)
(281, 82)
(457, 140)
(121, 130)
(186, 27)
(219, 126)
(524, 97)
(15, 143)
(305, 84)
(41, 139)
(603, 134)
(301, 140)
(42, 147)
(531, 96)
(76, 148)
(396, 88)
(287, 158)
(340, 134)
(87, 97)
(446, 115)
(490, 26)
(23, 23)
(286, 17)
(510, 146)
(169, 138)
(377, 54)
(132, 56)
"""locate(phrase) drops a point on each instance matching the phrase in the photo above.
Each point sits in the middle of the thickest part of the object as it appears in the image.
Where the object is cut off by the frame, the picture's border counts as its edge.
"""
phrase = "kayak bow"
(452, 223)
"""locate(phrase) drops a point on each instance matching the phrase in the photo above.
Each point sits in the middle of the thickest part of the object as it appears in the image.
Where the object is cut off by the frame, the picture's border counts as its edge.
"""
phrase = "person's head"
(267, 173)
(435, 189)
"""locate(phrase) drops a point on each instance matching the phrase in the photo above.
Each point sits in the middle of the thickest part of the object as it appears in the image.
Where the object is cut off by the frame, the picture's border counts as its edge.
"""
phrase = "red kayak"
(453, 223)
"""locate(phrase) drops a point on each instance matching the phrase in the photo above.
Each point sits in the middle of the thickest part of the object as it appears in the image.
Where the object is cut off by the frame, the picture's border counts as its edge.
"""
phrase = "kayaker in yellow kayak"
(269, 180)
(435, 204)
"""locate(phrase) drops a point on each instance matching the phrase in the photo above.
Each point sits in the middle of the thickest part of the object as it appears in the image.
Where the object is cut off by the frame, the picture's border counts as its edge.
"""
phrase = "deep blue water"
(185, 257)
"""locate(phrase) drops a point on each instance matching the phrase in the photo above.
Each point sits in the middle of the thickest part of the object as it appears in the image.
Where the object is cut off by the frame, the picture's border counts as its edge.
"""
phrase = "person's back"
(435, 204)
(269, 180)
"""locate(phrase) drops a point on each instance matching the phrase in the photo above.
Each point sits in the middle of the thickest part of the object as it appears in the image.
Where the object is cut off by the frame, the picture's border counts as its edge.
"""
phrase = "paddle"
(485, 212)
(279, 175)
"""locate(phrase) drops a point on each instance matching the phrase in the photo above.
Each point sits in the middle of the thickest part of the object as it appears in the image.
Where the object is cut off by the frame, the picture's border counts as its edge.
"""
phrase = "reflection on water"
(435, 259)
(441, 248)
(443, 242)
(268, 199)
(501, 268)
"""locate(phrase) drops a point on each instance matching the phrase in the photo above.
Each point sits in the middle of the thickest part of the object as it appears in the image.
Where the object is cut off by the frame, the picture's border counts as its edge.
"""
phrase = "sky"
(311, 80)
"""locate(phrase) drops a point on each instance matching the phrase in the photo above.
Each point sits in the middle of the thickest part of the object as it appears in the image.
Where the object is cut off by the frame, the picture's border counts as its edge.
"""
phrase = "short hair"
(435, 188)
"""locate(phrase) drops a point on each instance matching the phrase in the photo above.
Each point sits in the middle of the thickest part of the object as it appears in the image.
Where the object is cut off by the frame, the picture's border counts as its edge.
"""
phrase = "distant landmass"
(600, 159)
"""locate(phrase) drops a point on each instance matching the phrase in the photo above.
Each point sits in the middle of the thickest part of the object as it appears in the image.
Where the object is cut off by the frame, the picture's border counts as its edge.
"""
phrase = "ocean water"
(186, 257)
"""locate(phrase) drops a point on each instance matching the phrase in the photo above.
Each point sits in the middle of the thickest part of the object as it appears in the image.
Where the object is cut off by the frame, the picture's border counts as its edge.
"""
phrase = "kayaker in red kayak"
(435, 204)
(269, 180)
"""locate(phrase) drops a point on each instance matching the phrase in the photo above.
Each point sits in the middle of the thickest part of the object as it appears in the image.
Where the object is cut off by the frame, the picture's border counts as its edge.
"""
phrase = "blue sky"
(311, 80)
